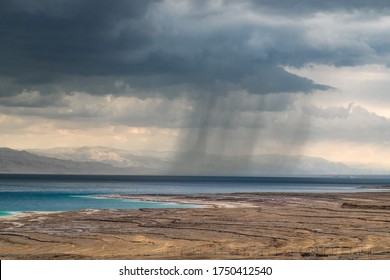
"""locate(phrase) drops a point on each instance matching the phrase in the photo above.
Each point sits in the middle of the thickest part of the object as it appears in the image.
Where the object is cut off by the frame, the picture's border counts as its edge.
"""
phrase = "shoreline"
(203, 200)
(179, 199)
(17, 214)
(232, 226)
(246, 199)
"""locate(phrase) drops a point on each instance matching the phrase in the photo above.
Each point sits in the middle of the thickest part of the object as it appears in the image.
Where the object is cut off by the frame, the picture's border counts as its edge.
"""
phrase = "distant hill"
(140, 160)
(104, 160)
(296, 165)
(149, 162)
(12, 161)
(261, 165)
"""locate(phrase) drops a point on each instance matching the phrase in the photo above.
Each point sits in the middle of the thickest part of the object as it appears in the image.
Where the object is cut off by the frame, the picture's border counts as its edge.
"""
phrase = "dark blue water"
(73, 192)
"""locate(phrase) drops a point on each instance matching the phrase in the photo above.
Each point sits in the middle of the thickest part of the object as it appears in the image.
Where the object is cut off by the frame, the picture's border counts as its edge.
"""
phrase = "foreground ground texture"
(231, 226)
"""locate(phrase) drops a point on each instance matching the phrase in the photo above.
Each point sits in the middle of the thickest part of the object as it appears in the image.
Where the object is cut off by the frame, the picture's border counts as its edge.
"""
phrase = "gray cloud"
(329, 112)
(243, 108)
(85, 45)
(353, 123)
(45, 42)
(300, 7)
(159, 47)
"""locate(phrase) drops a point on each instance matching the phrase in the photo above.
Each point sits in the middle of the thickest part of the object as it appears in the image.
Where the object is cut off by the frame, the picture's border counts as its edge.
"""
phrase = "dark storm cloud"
(64, 46)
(87, 37)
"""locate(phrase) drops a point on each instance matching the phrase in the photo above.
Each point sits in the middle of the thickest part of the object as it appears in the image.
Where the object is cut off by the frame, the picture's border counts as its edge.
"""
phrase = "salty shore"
(227, 226)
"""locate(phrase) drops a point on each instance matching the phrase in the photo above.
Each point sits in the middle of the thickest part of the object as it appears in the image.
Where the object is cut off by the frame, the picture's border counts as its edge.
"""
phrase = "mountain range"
(12, 161)
(104, 160)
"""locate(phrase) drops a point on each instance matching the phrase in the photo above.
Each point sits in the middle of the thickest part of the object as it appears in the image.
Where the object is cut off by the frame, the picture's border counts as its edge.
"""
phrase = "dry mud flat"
(232, 226)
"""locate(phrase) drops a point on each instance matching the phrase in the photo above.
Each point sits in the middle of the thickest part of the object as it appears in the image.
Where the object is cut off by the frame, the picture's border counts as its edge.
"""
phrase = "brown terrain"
(228, 226)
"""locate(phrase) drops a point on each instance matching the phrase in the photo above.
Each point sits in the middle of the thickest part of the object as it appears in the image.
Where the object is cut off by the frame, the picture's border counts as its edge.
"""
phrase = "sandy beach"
(226, 226)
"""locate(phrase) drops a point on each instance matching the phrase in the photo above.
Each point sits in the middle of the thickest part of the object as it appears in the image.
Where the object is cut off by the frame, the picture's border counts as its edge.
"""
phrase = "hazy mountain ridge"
(304, 165)
(111, 156)
(261, 165)
(12, 161)
(149, 162)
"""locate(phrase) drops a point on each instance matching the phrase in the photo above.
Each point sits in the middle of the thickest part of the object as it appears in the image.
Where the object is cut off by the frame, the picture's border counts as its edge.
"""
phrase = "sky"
(222, 77)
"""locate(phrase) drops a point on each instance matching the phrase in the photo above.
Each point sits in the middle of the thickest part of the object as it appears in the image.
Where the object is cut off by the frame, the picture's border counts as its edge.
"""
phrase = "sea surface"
(25, 193)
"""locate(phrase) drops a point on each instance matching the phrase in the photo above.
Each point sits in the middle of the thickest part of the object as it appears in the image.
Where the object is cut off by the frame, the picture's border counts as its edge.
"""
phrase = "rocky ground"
(231, 226)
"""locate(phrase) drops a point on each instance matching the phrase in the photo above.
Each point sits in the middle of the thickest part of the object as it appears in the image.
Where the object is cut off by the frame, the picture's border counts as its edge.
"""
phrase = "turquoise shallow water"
(21, 193)
(11, 213)
(12, 202)
(4, 213)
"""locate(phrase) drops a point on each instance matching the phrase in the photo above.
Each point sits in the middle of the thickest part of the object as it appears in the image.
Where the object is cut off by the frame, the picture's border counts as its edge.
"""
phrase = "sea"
(47, 193)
